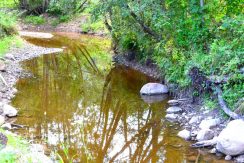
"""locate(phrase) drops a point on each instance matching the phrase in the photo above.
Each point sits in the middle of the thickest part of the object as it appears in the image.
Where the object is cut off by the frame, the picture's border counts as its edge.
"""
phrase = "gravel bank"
(12, 70)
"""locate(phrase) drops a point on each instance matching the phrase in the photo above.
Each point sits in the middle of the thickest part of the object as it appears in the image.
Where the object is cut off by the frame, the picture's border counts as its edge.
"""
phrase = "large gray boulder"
(231, 139)
(154, 89)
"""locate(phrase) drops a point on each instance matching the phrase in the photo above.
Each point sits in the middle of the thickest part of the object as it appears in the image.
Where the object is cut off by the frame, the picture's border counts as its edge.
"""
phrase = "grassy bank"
(8, 32)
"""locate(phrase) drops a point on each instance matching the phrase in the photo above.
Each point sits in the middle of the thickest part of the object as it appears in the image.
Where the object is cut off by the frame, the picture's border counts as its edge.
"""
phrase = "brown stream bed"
(80, 104)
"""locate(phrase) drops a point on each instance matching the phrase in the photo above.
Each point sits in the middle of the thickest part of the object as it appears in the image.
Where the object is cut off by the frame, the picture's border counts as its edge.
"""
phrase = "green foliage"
(91, 26)
(179, 35)
(35, 20)
(8, 3)
(7, 24)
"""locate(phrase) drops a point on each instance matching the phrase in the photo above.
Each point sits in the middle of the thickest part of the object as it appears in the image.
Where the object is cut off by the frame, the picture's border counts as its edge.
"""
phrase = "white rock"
(228, 157)
(154, 89)
(205, 134)
(207, 124)
(185, 134)
(231, 140)
(195, 119)
(173, 102)
(9, 111)
(213, 151)
(171, 117)
(2, 120)
(174, 109)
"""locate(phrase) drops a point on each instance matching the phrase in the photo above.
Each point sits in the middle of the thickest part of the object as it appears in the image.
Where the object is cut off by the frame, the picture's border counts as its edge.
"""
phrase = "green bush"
(35, 20)
(7, 24)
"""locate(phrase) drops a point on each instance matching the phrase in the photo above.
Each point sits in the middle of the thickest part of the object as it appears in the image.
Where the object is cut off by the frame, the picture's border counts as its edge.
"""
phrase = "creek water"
(86, 109)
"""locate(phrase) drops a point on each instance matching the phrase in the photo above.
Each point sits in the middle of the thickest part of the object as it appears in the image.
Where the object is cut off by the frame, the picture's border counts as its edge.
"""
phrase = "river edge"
(193, 112)
(11, 71)
(14, 71)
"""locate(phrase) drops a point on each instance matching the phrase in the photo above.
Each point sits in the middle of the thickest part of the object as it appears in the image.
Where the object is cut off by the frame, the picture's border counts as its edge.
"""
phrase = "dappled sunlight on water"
(78, 101)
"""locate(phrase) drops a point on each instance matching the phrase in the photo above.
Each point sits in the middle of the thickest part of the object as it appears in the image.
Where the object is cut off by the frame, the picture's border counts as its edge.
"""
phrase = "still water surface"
(80, 103)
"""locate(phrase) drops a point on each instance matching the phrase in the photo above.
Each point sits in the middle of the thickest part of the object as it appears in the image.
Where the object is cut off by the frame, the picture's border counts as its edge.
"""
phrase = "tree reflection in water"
(98, 115)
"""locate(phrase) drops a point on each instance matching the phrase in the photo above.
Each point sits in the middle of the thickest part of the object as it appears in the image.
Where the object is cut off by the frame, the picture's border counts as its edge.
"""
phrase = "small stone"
(205, 134)
(171, 117)
(194, 133)
(9, 110)
(195, 119)
(228, 157)
(207, 124)
(174, 109)
(213, 151)
(185, 134)
(173, 102)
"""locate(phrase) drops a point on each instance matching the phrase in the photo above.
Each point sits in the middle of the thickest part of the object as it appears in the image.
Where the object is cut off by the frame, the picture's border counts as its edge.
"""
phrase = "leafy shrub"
(7, 24)
(35, 20)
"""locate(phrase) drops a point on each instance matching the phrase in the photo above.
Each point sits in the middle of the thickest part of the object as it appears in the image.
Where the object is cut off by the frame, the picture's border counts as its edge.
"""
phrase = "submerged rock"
(207, 124)
(231, 139)
(154, 89)
(174, 109)
(185, 134)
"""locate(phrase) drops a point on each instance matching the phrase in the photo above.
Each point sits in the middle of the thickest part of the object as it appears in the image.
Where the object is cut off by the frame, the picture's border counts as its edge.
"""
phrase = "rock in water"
(174, 109)
(9, 111)
(231, 139)
(154, 89)
(185, 134)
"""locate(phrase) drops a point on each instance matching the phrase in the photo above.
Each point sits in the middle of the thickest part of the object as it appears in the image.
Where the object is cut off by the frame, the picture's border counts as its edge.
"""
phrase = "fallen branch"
(224, 106)
(4, 81)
